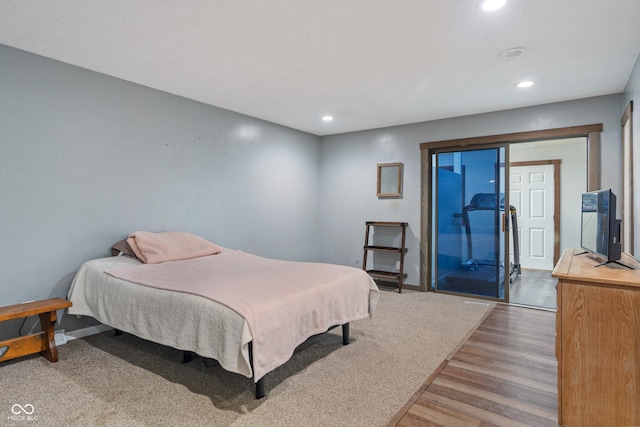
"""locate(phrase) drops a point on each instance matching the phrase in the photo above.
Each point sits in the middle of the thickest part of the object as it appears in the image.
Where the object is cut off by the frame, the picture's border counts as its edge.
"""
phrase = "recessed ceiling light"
(513, 52)
(493, 4)
(327, 118)
(524, 84)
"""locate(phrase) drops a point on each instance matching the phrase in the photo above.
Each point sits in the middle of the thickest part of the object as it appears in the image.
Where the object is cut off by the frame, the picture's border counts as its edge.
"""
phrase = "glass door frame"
(591, 131)
(432, 202)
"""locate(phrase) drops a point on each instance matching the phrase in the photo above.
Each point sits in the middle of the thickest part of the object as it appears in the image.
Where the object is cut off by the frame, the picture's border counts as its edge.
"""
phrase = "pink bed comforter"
(283, 302)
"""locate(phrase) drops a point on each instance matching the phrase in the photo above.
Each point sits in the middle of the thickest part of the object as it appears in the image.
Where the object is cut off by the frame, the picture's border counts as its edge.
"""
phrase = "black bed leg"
(260, 383)
(345, 334)
(260, 388)
(117, 332)
(187, 356)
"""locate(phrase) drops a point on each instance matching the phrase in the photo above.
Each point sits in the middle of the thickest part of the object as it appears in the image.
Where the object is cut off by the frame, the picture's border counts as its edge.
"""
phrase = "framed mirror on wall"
(627, 181)
(389, 180)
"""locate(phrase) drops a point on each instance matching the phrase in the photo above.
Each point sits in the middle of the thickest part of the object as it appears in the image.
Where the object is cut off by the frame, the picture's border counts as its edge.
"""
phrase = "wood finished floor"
(504, 375)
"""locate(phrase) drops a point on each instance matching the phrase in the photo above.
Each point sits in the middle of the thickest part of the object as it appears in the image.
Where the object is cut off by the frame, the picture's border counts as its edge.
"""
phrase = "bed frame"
(187, 356)
(253, 361)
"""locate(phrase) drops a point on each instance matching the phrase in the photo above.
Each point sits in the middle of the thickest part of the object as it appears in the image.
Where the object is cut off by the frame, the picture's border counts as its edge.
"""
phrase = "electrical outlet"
(398, 265)
(60, 337)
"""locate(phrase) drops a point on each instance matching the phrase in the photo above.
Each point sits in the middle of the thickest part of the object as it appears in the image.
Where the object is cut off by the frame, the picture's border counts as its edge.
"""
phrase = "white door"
(531, 193)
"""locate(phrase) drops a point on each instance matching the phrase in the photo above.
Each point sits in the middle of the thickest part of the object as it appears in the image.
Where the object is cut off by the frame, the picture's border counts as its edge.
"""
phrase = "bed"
(247, 312)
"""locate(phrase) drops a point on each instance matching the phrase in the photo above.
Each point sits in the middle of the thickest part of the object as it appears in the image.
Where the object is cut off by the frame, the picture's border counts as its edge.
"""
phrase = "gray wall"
(347, 196)
(632, 93)
(86, 159)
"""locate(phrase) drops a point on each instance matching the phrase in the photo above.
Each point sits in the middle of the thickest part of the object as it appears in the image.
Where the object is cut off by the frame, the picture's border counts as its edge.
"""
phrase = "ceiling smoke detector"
(514, 52)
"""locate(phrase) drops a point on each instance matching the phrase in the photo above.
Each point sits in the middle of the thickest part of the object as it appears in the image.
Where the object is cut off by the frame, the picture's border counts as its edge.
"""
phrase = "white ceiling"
(369, 63)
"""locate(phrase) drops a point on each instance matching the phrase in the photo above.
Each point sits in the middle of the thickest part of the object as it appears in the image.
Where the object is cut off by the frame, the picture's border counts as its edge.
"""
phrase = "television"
(600, 230)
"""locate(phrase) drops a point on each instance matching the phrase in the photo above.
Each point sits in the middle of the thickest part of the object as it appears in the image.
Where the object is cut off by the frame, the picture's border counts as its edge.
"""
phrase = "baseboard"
(85, 332)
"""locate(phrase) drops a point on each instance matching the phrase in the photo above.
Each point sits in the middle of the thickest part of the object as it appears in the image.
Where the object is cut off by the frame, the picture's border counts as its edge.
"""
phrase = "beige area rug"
(107, 380)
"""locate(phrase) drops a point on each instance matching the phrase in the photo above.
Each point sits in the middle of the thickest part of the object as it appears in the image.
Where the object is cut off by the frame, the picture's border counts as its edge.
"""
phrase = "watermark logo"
(18, 409)
(22, 412)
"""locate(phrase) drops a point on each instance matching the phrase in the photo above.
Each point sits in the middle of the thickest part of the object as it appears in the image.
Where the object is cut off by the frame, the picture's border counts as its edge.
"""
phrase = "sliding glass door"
(470, 222)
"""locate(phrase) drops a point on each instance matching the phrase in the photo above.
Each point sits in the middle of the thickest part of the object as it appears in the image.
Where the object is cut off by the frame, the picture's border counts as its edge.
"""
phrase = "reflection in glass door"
(469, 222)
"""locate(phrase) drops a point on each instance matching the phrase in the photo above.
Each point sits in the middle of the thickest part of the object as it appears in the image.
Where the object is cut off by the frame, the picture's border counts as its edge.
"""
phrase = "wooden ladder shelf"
(394, 276)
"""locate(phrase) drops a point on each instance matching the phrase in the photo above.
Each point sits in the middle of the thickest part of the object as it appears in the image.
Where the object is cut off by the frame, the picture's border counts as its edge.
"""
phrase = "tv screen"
(600, 233)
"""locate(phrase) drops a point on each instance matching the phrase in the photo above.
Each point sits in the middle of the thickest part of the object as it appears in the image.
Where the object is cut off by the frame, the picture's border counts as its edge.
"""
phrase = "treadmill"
(483, 271)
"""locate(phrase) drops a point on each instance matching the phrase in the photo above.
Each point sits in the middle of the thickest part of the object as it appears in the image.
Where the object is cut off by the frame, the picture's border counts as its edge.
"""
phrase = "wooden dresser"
(598, 341)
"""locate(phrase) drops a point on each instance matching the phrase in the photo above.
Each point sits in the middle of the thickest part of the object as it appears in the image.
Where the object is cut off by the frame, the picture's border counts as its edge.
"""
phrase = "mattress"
(180, 304)
(179, 320)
